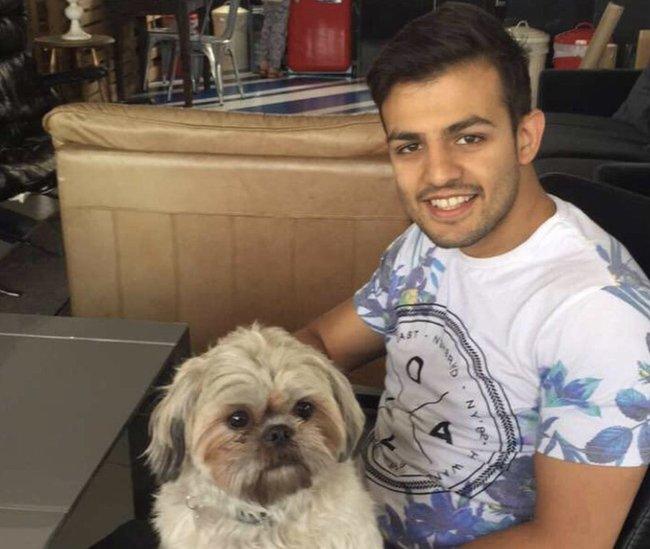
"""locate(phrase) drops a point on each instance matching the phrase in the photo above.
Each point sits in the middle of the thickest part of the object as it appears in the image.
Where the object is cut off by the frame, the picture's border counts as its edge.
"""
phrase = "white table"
(68, 387)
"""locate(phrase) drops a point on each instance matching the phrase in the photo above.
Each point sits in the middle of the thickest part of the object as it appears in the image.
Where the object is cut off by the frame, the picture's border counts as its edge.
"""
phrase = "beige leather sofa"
(219, 219)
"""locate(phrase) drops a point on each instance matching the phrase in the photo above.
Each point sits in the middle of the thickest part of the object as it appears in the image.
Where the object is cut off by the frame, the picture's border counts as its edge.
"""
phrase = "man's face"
(454, 154)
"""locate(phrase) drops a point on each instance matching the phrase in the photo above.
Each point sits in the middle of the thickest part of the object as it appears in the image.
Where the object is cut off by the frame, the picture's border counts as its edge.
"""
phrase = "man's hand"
(578, 506)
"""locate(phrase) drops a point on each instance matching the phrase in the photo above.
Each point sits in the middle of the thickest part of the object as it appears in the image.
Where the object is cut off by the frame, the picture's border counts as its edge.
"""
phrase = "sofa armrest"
(597, 92)
(631, 176)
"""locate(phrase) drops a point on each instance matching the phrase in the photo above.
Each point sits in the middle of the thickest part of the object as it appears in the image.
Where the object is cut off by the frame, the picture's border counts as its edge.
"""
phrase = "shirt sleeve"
(594, 359)
(373, 300)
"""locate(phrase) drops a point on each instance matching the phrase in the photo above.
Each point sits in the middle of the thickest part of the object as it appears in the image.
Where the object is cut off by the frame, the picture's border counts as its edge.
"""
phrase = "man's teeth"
(449, 203)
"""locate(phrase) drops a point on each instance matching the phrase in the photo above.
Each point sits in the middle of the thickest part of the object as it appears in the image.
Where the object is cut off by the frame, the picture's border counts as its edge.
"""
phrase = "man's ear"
(529, 136)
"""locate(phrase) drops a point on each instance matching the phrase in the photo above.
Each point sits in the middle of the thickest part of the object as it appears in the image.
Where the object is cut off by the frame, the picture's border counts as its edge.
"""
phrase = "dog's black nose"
(278, 435)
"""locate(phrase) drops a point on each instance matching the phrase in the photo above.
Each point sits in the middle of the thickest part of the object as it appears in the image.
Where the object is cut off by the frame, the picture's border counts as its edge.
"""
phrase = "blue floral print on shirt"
(610, 444)
(399, 284)
(631, 287)
(450, 520)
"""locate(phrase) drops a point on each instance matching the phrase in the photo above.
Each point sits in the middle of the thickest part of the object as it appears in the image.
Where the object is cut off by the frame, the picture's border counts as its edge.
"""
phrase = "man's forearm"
(532, 535)
(523, 536)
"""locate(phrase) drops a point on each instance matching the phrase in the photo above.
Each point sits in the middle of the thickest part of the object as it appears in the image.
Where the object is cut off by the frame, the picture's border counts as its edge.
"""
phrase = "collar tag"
(249, 517)
(242, 515)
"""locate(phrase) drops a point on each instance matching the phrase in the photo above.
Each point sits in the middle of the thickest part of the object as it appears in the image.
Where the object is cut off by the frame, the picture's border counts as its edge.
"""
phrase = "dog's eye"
(238, 419)
(303, 409)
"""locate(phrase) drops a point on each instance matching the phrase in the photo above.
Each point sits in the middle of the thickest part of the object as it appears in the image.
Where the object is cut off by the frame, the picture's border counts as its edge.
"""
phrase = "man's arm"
(578, 506)
(343, 337)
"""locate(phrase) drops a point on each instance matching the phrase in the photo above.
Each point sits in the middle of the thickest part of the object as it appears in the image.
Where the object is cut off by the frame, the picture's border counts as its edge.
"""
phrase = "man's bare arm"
(343, 336)
(578, 506)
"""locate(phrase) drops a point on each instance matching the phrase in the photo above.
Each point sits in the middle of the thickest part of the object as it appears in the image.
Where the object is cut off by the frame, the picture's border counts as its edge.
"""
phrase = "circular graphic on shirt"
(444, 423)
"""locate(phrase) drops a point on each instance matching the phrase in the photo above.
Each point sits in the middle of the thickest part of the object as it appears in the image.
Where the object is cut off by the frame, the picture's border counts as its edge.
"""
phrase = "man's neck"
(532, 207)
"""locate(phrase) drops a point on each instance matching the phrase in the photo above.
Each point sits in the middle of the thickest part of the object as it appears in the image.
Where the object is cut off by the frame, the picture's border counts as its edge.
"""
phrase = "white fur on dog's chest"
(334, 515)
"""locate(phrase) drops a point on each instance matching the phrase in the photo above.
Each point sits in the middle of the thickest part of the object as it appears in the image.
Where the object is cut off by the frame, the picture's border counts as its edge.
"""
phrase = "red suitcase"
(320, 36)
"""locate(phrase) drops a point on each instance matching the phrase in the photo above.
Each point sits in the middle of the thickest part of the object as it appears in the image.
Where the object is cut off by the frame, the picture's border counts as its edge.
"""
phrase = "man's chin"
(448, 241)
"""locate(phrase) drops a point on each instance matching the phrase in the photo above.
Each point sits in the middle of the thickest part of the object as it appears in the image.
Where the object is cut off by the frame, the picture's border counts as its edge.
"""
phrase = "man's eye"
(469, 140)
(408, 148)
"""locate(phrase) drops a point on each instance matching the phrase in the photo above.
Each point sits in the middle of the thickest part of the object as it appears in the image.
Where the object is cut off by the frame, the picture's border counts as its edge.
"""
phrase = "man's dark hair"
(455, 33)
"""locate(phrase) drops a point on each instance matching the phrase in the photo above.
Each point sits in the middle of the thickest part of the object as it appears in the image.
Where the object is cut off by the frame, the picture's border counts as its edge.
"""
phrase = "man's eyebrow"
(403, 136)
(464, 124)
(450, 130)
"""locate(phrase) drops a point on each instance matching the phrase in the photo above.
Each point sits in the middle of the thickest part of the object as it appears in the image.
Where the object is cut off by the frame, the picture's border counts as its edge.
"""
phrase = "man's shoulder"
(583, 255)
(408, 247)
(574, 271)
(592, 278)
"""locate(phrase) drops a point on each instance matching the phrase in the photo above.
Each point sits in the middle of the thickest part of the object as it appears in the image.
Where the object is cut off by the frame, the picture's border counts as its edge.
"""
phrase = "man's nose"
(441, 165)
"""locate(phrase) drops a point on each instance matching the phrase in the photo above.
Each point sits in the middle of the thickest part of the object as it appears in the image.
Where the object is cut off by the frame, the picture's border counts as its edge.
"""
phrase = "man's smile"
(450, 207)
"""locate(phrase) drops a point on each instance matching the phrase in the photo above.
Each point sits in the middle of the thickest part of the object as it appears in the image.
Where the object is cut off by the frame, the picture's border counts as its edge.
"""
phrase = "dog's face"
(260, 415)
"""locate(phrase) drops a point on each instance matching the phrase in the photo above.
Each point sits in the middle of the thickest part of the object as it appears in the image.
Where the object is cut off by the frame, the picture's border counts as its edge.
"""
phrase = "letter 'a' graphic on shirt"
(424, 441)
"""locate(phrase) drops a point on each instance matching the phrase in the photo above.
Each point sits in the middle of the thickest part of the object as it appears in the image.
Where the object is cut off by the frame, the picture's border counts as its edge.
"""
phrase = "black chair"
(26, 156)
(626, 216)
(26, 153)
(595, 118)
(622, 213)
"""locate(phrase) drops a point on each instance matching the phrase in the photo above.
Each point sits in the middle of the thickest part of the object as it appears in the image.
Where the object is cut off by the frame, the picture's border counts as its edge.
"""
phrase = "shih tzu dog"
(252, 443)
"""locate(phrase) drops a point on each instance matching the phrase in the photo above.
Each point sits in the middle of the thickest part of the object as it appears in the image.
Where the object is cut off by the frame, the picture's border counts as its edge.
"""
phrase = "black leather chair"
(622, 213)
(26, 153)
(26, 156)
(586, 128)
(626, 216)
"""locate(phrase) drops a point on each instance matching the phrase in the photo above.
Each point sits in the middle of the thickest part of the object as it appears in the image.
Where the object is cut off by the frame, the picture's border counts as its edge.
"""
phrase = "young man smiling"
(516, 401)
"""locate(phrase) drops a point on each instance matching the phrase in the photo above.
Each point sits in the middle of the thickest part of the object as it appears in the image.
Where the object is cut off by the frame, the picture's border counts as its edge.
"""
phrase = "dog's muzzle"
(277, 435)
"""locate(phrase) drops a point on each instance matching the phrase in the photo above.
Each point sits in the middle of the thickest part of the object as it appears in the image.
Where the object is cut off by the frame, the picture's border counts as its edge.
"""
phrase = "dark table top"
(68, 387)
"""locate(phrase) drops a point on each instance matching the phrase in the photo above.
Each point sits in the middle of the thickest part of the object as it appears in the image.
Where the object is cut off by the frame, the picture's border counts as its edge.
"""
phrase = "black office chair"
(26, 152)
(626, 216)
(594, 117)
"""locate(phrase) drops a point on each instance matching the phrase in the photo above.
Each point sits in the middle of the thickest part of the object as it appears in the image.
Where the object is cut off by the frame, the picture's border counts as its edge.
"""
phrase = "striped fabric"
(293, 94)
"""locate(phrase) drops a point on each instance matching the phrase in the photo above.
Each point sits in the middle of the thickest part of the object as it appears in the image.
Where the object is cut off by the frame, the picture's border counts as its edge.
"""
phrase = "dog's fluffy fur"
(252, 443)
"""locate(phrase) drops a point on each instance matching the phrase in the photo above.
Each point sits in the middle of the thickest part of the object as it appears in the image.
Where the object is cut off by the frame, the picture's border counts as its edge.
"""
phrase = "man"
(515, 410)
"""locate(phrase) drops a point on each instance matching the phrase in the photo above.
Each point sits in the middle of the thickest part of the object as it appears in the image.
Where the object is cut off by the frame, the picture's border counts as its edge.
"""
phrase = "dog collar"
(242, 512)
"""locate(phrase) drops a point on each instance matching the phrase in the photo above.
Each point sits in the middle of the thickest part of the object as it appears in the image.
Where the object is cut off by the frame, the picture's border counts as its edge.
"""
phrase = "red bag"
(320, 36)
(569, 47)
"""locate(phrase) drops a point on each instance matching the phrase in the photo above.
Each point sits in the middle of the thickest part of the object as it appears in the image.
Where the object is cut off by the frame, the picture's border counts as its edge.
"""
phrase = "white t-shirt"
(544, 348)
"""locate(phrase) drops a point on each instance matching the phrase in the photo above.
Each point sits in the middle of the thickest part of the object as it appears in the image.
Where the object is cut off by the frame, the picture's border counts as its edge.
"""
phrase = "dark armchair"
(26, 154)
(596, 118)
(624, 215)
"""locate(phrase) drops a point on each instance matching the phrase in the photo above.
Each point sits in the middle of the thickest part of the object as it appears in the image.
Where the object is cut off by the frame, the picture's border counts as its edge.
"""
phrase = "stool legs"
(53, 62)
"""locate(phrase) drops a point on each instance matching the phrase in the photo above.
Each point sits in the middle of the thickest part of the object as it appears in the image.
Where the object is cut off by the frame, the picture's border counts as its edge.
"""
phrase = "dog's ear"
(353, 416)
(168, 423)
